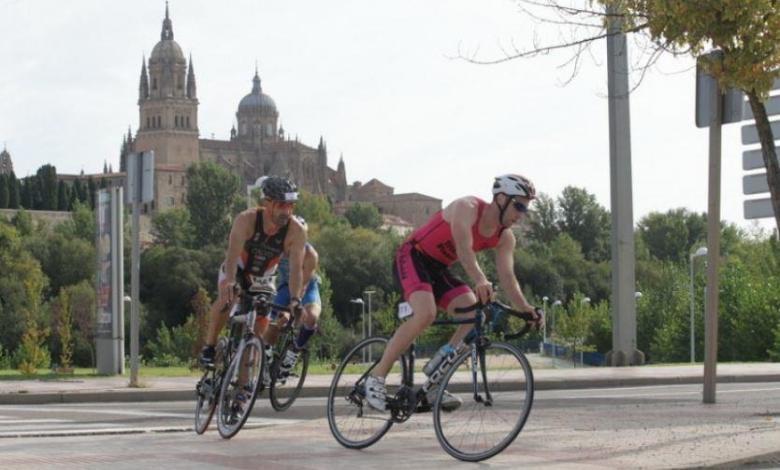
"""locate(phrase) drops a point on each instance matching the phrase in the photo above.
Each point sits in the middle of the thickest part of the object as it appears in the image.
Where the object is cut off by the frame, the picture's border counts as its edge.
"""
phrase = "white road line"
(649, 395)
(33, 421)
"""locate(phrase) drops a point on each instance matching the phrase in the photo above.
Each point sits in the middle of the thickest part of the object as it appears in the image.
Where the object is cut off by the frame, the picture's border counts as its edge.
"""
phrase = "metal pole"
(713, 253)
(693, 350)
(363, 308)
(624, 351)
(135, 263)
(368, 293)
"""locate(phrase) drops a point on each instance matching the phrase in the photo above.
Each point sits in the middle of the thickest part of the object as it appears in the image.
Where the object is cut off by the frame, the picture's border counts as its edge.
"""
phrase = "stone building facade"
(258, 144)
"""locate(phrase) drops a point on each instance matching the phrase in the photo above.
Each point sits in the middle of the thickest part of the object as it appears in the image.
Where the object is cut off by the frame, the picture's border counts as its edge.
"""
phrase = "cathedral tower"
(168, 104)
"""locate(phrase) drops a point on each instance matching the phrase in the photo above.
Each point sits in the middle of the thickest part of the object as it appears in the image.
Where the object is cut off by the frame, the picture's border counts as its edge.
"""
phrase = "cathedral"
(258, 145)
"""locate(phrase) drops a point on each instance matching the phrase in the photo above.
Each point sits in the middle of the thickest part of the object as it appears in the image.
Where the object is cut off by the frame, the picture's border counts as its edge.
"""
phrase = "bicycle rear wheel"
(352, 422)
(497, 392)
(239, 388)
(284, 390)
(207, 391)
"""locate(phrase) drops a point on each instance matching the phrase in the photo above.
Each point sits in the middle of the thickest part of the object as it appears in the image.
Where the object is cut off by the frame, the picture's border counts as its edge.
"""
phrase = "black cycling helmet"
(276, 188)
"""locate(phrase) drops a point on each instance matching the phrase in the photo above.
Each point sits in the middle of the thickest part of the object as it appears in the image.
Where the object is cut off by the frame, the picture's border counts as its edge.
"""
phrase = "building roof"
(257, 100)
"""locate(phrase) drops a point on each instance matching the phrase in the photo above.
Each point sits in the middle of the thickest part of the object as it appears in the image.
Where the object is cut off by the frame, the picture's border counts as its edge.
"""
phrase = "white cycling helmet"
(514, 185)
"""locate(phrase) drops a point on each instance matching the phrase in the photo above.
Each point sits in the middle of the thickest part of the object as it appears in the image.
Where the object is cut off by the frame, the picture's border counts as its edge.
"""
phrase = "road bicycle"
(492, 378)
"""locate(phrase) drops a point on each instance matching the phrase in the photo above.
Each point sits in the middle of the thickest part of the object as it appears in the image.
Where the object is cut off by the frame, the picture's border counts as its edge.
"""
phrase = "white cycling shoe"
(376, 393)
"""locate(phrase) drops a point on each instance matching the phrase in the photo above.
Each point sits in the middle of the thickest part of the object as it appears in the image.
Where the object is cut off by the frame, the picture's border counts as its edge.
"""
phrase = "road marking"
(33, 421)
(651, 394)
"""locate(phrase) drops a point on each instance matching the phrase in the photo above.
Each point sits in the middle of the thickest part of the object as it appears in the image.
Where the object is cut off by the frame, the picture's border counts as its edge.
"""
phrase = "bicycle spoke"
(476, 430)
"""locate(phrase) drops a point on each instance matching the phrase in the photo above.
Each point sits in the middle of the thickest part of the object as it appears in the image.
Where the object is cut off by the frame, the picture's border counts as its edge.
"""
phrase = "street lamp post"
(544, 323)
(368, 294)
(362, 321)
(702, 251)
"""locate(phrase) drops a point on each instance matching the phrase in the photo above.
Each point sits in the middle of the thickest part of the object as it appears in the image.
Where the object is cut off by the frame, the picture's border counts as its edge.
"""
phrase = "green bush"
(174, 346)
(5, 358)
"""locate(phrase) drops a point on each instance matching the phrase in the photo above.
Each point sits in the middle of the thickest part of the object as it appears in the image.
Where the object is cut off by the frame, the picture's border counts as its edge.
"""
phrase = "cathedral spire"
(143, 86)
(256, 88)
(192, 91)
(167, 28)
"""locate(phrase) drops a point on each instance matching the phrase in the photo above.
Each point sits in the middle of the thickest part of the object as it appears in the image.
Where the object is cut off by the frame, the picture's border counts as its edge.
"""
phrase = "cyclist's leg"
(424, 308)
(312, 307)
(460, 297)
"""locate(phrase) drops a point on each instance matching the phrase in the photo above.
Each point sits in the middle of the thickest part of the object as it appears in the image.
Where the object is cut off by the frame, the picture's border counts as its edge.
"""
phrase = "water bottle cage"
(442, 368)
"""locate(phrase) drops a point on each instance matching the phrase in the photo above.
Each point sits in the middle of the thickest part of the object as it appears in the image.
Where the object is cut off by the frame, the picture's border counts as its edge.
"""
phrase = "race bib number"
(404, 310)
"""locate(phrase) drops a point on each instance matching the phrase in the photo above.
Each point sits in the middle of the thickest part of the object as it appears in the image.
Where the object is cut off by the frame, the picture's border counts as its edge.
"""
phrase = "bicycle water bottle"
(443, 352)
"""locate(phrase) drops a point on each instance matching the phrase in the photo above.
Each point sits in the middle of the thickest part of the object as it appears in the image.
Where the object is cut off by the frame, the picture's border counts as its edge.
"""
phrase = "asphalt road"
(647, 427)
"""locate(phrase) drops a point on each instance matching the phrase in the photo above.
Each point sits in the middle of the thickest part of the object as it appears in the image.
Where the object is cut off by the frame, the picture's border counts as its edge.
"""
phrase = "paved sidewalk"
(115, 389)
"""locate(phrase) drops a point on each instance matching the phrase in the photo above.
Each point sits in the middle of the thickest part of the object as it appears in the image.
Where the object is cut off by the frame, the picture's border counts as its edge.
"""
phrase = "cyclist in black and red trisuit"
(258, 239)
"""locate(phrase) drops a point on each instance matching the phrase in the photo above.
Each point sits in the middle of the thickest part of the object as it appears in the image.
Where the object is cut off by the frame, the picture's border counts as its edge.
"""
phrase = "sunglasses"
(520, 207)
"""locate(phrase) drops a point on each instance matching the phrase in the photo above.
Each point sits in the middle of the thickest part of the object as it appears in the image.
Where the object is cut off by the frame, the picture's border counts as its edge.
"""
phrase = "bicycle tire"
(207, 391)
(345, 388)
(229, 422)
(512, 393)
(282, 395)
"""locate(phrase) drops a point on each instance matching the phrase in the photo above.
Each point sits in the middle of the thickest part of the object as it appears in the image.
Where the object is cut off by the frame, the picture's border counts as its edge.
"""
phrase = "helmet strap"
(502, 209)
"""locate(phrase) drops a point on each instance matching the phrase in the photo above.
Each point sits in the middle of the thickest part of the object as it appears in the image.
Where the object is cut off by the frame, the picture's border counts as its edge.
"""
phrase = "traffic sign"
(750, 134)
(140, 177)
(772, 107)
(754, 159)
(755, 184)
(758, 208)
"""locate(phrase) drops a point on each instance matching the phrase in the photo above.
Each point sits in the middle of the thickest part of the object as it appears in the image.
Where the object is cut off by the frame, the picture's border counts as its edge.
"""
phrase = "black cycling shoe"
(207, 355)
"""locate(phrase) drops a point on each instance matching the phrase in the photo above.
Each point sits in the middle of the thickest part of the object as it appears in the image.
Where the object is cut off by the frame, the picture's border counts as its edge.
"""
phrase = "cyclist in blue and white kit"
(310, 301)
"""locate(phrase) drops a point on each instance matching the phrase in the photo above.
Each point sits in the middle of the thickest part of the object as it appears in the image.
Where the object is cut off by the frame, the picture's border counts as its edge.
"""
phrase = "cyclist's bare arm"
(295, 247)
(462, 215)
(241, 231)
(506, 272)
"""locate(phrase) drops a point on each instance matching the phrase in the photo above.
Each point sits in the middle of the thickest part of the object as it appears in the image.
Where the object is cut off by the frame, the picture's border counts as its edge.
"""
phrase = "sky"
(380, 81)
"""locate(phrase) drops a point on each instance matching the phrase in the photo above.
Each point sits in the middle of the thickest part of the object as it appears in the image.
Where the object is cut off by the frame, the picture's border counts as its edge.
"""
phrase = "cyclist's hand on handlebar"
(538, 314)
(295, 304)
(484, 291)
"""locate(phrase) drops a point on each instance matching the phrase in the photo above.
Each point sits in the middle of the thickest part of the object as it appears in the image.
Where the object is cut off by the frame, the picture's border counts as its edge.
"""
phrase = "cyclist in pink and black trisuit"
(456, 233)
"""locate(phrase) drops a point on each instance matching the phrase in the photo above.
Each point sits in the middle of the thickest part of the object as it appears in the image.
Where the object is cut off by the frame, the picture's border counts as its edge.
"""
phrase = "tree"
(581, 216)
(83, 306)
(210, 195)
(14, 190)
(64, 327)
(81, 225)
(746, 31)
(573, 326)
(315, 208)
(363, 215)
(354, 259)
(4, 193)
(21, 287)
(91, 190)
(65, 261)
(172, 228)
(46, 181)
(543, 220)
(22, 220)
(63, 196)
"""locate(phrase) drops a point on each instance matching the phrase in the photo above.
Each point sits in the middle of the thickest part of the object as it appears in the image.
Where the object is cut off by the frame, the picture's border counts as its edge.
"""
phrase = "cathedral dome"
(167, 50)
(257, 100)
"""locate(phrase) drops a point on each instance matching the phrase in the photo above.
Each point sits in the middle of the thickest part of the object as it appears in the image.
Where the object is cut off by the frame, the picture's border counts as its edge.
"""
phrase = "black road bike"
(492, 378)
(285, 387)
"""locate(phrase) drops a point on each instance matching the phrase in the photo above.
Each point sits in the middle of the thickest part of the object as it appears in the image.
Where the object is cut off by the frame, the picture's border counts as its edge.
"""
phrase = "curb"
(147, 395)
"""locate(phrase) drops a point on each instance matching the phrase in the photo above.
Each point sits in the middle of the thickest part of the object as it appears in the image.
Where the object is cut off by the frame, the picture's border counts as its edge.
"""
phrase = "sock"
(303, 336)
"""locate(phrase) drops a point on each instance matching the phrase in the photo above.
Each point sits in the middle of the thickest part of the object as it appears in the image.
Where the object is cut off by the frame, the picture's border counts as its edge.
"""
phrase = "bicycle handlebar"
(529, 319)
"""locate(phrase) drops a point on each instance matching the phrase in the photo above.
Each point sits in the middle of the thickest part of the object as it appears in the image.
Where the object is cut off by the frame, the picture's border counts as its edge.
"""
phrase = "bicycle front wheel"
(239, 388)
(352, 422)
(284, 390)
(207, 392)
(496, 387)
